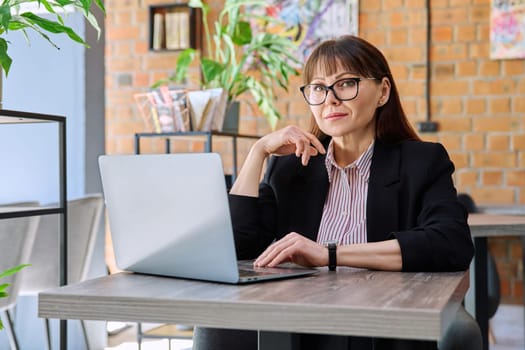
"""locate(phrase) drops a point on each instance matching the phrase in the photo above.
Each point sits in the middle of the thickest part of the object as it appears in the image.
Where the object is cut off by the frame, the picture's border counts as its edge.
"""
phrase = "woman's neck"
(348, 149)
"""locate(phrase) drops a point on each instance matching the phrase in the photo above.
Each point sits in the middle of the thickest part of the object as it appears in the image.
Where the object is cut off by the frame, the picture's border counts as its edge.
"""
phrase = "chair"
(16, 241)
(494, 288)
(83, 223)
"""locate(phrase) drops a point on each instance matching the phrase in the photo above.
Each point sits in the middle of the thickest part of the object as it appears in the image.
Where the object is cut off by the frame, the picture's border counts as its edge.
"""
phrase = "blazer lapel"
(383, 192)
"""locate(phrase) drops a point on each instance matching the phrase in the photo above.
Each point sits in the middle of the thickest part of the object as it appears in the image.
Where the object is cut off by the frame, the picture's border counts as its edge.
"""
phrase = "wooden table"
(348, 302)
(481, 227)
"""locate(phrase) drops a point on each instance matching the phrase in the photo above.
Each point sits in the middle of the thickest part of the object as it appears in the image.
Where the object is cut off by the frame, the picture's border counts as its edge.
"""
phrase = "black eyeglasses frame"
(331, 87)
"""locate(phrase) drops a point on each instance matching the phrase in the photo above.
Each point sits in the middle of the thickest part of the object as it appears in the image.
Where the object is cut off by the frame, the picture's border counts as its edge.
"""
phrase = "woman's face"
(356, 117)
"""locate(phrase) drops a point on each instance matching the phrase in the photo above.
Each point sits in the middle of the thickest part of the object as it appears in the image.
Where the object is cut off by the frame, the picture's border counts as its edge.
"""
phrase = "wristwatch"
(332, 254)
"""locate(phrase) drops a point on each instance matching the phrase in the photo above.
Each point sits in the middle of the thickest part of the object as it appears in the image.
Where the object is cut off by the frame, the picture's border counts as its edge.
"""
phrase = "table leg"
(523, 279)
(277, 341)
(481, 284)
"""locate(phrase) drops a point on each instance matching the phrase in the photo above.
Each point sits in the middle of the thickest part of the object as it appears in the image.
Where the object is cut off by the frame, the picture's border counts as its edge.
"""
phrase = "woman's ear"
(385, 92)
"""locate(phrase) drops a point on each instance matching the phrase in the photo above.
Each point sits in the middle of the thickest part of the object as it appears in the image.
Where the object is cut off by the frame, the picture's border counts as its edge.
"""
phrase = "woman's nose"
(331, 99)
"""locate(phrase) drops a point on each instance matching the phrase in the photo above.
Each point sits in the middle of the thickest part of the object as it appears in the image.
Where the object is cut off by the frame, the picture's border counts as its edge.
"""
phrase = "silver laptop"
(169, 215)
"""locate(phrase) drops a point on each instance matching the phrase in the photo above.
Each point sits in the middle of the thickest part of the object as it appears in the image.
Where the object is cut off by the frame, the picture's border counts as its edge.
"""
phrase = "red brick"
(411, 88)
(376, 37)
(521, 196)
(490, 68)
(123, 33)
(479, 14)
(448, 15)
(466, 177)
(450, 87)
(369, 21)
(493, 195)
(459, 159)
(492, 177)
(498, 142)
(474, 142)
(483, 32)
(495, 87)
(418, 72)
(518, 142)
(514, 67)
(449, 52)
(417, 37)
(465, 33)
(499, 105)
(452, 142)
(494, 160)
(451, 106)
(443, 70)
(515, 177)
(521, 159)
(442, 34)
(466, 68)
(404, 54)
(454, 124)
(398, 36)
(476, 106)
(518, 104)
(479, 50)
(496, 124)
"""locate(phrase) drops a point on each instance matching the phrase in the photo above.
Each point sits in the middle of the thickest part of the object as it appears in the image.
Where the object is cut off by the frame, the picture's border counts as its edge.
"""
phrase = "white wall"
(45, 80)
(50, 81)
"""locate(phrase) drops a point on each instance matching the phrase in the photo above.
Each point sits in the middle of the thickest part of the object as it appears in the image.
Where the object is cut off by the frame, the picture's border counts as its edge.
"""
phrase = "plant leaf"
(5, 60)
(210, 69)
(242, 33)
(12, 270)
(183, 62)
(53, 27)
(5, 15)
(3, 287)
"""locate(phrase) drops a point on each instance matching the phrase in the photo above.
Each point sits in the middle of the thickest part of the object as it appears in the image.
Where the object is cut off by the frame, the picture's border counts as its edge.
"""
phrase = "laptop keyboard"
(247, 272)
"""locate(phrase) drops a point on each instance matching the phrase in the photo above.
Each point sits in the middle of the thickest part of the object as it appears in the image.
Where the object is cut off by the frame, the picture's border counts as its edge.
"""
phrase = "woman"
(361, 178)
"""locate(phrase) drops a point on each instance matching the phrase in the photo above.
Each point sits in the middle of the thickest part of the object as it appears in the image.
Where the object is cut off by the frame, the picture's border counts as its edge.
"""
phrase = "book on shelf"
(164, 110)
(158, 31)
(207, 108)
(184, 30)
(173, 31)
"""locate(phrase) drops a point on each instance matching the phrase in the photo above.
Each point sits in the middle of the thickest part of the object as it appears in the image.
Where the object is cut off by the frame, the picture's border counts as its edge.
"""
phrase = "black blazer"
(411, 197)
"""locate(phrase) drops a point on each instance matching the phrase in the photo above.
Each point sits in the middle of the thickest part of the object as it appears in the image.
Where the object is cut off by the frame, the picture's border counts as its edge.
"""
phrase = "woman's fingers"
(292, 248)
(292, 139)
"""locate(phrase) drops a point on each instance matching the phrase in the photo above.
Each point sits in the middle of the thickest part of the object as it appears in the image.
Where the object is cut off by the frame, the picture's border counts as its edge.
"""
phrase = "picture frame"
(310, 22)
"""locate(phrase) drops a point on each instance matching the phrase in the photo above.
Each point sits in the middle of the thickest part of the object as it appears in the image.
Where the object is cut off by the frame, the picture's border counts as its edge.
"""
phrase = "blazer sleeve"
(440, 239)
(254, 219)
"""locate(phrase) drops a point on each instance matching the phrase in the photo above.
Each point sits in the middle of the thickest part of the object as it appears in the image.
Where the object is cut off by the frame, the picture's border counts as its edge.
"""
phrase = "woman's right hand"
(290, 140)
(282, 142)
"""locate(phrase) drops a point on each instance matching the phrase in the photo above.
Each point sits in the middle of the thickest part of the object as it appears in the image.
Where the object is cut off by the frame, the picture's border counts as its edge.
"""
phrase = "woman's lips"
(334, 116)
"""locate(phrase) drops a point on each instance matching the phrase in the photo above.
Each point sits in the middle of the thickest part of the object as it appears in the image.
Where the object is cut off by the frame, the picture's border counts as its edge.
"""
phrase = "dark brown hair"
(359, 56)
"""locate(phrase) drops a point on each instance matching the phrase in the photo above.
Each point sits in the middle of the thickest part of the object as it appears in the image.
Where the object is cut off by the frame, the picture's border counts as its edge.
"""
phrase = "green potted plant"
(4, 286)
(14, 17)
(239, 59)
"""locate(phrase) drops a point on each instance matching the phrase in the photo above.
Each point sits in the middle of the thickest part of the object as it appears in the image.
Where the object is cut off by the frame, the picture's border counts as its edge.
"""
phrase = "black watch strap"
(332, 255)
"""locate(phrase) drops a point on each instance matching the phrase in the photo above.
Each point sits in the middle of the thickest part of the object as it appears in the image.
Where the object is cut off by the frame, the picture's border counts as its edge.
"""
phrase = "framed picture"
(309, 22)
(507, 29)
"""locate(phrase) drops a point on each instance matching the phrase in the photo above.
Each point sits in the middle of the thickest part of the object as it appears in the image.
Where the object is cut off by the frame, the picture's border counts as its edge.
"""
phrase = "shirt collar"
(362, 164)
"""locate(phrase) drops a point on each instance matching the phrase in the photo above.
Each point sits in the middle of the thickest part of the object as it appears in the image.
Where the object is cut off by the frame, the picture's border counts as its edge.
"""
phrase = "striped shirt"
(344, 213)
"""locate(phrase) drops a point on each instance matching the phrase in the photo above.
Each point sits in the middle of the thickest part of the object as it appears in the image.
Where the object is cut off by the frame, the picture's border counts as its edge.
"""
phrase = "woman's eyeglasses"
(343, 89)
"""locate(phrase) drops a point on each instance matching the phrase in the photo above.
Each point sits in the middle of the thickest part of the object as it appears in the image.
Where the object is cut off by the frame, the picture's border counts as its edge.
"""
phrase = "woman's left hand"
(293, 248)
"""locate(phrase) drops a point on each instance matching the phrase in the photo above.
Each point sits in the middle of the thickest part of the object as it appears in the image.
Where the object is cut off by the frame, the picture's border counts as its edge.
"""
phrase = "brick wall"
(479, 103)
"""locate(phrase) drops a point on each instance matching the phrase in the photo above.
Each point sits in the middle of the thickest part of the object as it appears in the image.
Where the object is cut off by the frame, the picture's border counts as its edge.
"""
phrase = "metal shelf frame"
(207, 146)
(19, 117)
